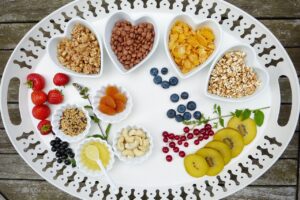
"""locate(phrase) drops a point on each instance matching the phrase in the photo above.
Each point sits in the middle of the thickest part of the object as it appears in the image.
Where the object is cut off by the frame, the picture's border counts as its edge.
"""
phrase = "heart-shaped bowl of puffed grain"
(121, 16)
(209, 23)
(94, 68)
(250, 61)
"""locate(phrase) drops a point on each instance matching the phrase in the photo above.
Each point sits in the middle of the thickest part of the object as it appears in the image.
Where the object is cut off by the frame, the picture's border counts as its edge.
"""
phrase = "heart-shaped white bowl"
(108, 30)
(213, 25)
(53, 43)
(250, 61)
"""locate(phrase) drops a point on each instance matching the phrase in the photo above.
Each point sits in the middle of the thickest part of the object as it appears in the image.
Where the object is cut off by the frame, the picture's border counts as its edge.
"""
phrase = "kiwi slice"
(232, 138)
(214, 160)
(222, 148)
(247, 128)
(195, 165)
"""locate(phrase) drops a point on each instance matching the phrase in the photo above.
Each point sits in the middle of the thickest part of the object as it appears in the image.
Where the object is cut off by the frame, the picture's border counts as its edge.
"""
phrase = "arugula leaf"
(246, 114)
(259, 117)
(95, 119)
(88, 107)
(238, 113)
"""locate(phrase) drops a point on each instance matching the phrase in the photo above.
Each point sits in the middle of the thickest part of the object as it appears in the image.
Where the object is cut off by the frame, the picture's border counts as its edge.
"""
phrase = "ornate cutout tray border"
(233, 20)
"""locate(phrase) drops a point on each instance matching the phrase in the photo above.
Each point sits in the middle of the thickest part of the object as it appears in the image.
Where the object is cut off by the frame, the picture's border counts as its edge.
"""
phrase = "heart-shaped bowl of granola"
(191, 46)
(78, 51)
(130, 42)
(236, 75)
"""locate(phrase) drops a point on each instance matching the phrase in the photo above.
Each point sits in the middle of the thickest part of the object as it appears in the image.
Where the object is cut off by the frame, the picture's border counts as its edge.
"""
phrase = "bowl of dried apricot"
(191, 46)
(112, 103)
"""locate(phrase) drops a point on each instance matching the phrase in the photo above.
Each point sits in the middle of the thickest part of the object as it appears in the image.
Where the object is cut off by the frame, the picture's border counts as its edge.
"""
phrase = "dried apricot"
(106, 109)
(121, 97)
(111, 90)
(109, 101)
(120, 106)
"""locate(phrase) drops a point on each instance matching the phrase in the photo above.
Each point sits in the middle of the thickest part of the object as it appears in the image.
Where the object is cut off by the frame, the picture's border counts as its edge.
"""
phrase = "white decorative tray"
(155, 178)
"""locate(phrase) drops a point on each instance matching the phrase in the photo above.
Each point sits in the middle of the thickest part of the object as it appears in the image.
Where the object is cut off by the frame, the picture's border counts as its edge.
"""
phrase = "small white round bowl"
(53, 43)
(251, 61)
(135, 160)
(108, 30)
(55, 121)
(111, 118)
(194, 25)
(83, 168)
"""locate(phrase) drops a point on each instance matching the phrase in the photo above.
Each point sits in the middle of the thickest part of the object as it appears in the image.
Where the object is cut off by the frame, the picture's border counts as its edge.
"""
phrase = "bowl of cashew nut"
(133, 145)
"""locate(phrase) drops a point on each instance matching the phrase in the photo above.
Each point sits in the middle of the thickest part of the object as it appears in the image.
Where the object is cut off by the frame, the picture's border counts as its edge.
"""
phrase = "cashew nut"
(138, 152)
(129, 139)
(132, 145)
(128, 153)
(120, 144)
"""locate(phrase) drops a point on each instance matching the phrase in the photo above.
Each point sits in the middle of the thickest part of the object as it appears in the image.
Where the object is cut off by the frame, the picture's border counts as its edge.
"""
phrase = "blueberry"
(184, 95)
(56, 145)
(173, 81)
(165, 84)
(58, 154)
(171, 113)
(53, 149)
(154, 71)
(164, 71)
(69, 150)
(67, 162)
(157, 80)
(52, 142)
(65, 145)
(187, 116)
(71, 155)
(179, 118)
(191, 105)
(197, 115)
(174, 98)
(64, 156)
(59, 160)
(58, 140)
(181, 108)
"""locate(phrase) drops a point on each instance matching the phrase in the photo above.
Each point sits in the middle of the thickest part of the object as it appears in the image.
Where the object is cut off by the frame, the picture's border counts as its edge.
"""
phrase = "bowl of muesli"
(71, 122)
(236, 75)
(78, 51)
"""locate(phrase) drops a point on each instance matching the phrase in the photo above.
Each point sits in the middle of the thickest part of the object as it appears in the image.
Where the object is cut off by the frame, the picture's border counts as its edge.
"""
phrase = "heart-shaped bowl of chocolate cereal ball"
(130, 42)
(78, 51)
(236, 75)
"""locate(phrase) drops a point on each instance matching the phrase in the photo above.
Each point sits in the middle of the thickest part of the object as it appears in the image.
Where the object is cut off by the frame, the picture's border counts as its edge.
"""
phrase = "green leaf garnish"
(246, 114)
(259, 117)
(95, 119)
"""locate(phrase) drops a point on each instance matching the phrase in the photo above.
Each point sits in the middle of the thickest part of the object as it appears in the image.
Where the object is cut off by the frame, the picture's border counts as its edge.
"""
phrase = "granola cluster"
(73, 122)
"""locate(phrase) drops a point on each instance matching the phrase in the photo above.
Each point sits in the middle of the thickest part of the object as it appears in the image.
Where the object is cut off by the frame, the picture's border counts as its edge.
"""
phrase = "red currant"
(202, 131)
(177, 137)
(172, 144)
(165, 134)
(207, 126)
(186, 129)
(169, 158)
(200, 138)
(175, 149)
(165, 140)
(186, 144)
(183, 138)
(196, 142)
(196, 131)
(206, 137)
(179, 142)
(181, 154)
(171, 136)
(165, 149)
(190, 136)
(211, 133)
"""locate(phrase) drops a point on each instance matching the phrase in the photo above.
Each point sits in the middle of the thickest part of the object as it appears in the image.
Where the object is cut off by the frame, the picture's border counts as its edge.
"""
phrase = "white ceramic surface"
(135, 160)
(53, 43)
(251, 61)
(134, 21)
(213, 25)
(55, 121)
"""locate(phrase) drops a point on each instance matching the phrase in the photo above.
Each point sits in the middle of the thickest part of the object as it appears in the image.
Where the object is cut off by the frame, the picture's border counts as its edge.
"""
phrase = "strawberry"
(45, 127)
(55, 96)
(35, 81)
(61, 79)
(38, 97)
(41, 112)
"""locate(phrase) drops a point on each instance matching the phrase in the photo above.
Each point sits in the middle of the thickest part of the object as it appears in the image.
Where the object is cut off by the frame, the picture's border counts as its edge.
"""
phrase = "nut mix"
(132, 44)
(133, 143)
(189, 48)
(73, 122)
(81, 53)
(231, 77)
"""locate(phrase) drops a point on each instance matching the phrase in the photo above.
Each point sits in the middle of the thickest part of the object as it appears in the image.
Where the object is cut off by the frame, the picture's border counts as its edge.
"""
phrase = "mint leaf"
(95, 119)
(96, 136)
(219, 110)
(246, 114)
(88, 107)
(238, 113)
(107, 130)
(259, 117)
(221, 121)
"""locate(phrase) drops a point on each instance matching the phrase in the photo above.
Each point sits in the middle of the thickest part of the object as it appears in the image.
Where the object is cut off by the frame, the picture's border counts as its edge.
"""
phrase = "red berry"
(175, 149)
(190, 136)
(211, 133)
(183, 138)
(177, 137)
(165, 134)
(171, 136)
(181, 154)
(165, 139)
(196, 131)
(165, 149)
(186, 129)
(35, 81)
(206, 137)
(179, 142)
(169, 158)
(196, 142)
(41, 112)
(38, 97)
(55, 97)
(207, 126)
(45, 127)
(202, 131)
(172, 144)
(61, 79)
(186, 144)
(200, 138)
